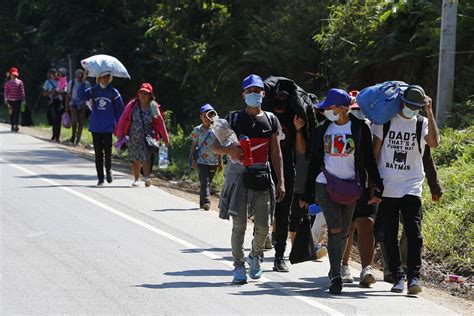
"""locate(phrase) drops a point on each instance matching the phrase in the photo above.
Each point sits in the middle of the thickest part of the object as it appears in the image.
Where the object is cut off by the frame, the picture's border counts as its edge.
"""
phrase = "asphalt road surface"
(69, 247)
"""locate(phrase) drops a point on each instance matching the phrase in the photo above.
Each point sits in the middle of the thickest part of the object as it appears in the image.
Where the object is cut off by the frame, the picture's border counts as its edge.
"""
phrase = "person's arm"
(219, 163)
(300, 139)
(163, 132)
(277, 162)
(118, 103)
(375, 182)
(432, 138)
(431, 175)
(233, 151)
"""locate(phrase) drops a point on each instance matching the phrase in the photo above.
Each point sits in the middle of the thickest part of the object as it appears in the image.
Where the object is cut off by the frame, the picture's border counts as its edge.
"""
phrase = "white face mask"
(331, 116)
(409, 112)
(358, 114)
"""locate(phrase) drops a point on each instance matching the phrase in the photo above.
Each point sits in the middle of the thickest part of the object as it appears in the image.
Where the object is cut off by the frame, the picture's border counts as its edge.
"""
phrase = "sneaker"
(268, 244)
(398, 286)
(346, 275)
(147, 182)
(414, 286)
(280, 265)
(100, 183)
(72, 140)
(367, 276)
(321, 251)
(136, 183)
(336, 286)
(240, 276)
(17, 128)
(206, 207)
(109, 177)
(255, 272)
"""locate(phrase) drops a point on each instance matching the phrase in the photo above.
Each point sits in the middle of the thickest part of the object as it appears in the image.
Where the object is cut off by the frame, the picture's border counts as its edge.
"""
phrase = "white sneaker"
(346, 275)
(147, 182)
(367, 276)
(136, 183)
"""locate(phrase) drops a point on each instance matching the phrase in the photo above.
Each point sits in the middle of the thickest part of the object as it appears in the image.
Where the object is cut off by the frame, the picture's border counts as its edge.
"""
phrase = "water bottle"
(247, 148)
(163, 161)
(314, 209)
(221, 128)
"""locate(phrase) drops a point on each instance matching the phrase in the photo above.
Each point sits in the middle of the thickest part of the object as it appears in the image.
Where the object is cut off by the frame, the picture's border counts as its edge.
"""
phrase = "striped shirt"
(14, 90)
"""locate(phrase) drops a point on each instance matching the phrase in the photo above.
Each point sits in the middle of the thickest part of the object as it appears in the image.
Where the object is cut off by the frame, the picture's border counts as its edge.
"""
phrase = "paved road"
(69, 247)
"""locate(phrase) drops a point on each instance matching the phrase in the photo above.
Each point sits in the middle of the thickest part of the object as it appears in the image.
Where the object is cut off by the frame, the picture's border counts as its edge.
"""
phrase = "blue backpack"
(382, 102)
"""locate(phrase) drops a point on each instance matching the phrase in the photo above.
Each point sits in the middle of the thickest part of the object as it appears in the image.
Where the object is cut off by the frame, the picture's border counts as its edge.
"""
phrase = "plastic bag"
(104, 64)
(66, 120)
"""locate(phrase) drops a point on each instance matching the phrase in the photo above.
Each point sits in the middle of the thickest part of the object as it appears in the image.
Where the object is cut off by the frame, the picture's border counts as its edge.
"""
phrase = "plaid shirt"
(14, 90)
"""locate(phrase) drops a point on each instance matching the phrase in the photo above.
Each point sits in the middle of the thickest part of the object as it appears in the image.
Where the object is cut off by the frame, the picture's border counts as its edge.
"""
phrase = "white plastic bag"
(104, 64)
(319, 227)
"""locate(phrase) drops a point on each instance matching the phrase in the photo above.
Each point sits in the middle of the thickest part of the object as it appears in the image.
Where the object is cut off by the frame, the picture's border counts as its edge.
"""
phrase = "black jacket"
(364, 157)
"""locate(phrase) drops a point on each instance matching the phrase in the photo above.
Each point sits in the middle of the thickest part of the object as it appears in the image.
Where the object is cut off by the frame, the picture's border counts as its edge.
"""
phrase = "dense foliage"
(198, 51)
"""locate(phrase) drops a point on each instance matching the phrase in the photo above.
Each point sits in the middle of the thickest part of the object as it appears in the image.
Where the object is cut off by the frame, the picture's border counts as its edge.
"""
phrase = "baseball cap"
(414, 96)
(337, 97)
(252, 81)
(147, 87)
(13, 71)
(205, 108)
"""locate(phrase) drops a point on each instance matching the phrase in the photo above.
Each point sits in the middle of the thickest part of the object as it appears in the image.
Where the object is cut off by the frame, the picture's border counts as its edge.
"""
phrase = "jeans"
(410, 208)
(206, 174)
(102, 145)
(261, 214)
(15, 116)
(337, 216)
(282, 215)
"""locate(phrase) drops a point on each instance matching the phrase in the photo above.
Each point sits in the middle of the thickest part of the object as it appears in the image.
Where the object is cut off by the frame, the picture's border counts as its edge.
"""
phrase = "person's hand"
(428, 105)
(303, 204)
(374, 200)
(298, 122)
(435, 197)
(280, 192)
(235, 152)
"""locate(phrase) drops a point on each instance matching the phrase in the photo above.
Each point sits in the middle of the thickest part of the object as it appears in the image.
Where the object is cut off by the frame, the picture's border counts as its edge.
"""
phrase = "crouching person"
(249, 191)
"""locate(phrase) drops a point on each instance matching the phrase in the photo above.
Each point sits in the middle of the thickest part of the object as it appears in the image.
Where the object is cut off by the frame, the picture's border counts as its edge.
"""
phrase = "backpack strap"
(386, 129)
(419, 126)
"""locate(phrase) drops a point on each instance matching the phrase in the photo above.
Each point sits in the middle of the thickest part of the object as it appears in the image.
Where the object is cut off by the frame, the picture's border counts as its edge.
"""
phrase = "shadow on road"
(181, 285)
(198, 273)
(176, 209)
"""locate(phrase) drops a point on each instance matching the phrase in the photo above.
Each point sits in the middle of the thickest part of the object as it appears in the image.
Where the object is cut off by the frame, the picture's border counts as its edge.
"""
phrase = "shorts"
(364, 210)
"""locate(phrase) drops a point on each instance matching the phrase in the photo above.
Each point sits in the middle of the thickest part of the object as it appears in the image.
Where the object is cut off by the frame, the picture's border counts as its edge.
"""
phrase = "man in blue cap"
(202, 157)
(249, 191)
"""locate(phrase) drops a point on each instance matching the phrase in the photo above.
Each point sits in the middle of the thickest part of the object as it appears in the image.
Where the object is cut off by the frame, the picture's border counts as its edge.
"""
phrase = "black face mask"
(280, 104)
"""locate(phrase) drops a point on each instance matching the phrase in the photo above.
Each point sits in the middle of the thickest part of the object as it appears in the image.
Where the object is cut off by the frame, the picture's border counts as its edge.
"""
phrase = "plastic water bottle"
(221, 128)
(163, 161)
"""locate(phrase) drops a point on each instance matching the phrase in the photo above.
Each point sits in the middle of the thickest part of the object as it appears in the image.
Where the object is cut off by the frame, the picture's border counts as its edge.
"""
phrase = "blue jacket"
(107, 107)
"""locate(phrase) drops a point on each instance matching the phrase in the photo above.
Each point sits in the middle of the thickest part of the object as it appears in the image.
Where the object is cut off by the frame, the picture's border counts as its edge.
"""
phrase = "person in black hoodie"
(343, 154)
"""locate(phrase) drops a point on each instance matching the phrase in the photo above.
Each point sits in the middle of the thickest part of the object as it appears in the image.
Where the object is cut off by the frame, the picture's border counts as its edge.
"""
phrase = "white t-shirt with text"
(339, 146)
(400, 163)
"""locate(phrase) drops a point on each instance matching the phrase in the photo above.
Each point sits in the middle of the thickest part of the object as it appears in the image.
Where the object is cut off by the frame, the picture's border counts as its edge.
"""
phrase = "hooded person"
(141, 117)
(106, 107)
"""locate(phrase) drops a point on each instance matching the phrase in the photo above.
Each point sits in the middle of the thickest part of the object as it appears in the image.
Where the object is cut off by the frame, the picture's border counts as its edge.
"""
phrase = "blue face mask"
(409, 112)
(253, 100)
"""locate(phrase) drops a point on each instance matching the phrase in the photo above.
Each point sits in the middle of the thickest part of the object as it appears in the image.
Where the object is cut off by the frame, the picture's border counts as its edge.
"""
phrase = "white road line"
(177, 240)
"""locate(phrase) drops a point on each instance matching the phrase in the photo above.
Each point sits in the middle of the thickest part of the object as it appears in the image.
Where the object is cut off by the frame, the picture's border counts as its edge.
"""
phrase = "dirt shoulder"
(449, 295)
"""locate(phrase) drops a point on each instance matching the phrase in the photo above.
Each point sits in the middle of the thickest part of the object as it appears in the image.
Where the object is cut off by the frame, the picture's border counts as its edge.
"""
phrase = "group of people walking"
(326, 153)
(355, 171)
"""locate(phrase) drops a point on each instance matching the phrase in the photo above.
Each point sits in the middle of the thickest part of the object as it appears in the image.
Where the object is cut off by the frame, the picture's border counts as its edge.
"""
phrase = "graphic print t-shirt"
(199, 136)
(400, 164)
(339, 146)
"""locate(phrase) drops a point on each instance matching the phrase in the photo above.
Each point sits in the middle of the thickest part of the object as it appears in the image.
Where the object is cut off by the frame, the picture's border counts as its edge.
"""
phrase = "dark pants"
(55, 111)
(296, 213)
(282, 214)
(410, 208)
(78, 117)
(15, 115)
(206, 174)
(102, 145)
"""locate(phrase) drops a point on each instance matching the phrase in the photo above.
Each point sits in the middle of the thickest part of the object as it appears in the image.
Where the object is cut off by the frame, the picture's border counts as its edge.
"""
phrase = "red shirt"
(14, 90)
